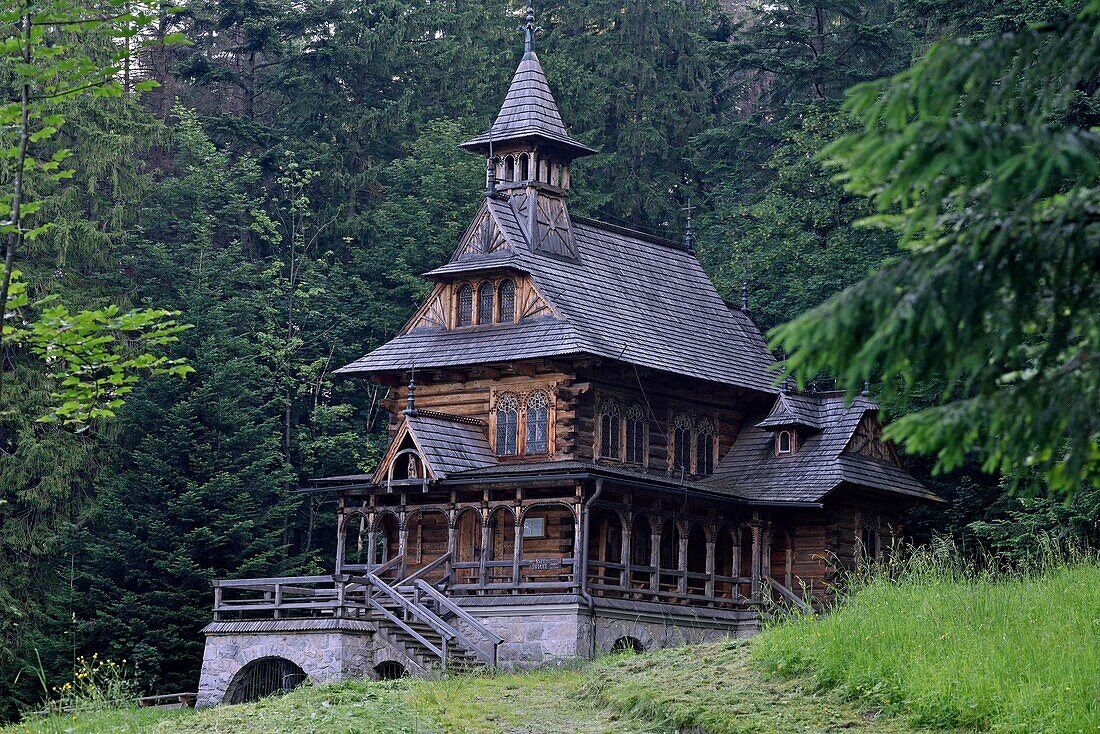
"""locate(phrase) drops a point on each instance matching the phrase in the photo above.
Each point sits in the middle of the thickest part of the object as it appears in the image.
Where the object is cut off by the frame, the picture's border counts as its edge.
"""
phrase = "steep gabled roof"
(529, 111)
(629, 297)
(821, 464)
(793, 409)
(447, 443)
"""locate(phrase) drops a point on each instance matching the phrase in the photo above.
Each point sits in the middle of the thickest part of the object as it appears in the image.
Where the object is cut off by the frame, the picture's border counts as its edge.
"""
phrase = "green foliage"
(985, 159)
(942, 648)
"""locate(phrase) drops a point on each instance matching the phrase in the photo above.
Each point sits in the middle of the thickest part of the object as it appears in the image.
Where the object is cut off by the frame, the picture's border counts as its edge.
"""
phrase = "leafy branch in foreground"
(53, 51)
(985, 157)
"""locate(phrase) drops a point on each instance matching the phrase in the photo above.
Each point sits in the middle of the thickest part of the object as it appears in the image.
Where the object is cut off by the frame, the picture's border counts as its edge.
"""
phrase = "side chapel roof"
(823, 461)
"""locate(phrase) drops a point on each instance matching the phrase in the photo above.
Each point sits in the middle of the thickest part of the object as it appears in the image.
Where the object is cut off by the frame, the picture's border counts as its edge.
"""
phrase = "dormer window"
(465, 315)
(507, 301)
(485, 303)
(784, 443)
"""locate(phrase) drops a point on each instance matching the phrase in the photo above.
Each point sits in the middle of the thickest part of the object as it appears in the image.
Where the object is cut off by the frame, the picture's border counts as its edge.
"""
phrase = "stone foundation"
(539, 631)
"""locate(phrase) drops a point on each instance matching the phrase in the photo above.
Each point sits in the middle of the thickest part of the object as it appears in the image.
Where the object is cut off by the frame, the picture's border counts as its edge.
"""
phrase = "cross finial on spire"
(689, 233)
(529, 29)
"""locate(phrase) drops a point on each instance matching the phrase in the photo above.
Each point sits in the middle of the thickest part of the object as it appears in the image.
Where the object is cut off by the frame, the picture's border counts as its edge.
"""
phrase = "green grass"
(990, 652)
(710, 688)
(933, 650)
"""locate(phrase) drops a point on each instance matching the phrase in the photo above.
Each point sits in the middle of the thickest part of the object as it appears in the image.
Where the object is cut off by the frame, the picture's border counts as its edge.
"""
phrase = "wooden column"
(517, 550)
(710, 562)
(756, 556)
(683, 563)
(341, 539)
(402, 544)
(655, 558)
(624, 552)
(482, 572)
(452, 545)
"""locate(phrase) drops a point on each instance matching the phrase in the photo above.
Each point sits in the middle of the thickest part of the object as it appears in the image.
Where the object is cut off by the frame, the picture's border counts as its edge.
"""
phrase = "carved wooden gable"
(867, 440)
(553, 229)
(483, 236)
(435, 311)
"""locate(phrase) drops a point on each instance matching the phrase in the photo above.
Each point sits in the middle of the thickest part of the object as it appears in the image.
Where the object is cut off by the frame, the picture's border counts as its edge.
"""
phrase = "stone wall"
(324, 655)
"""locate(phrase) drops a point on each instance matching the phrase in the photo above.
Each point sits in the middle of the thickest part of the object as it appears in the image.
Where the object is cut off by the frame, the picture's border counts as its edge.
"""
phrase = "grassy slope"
(1015, 655)
(1009, 656)
(708, 687)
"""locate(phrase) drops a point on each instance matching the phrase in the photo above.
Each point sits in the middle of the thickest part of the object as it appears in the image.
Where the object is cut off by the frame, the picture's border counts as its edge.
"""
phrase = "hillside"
(707, 688)
(933, 650)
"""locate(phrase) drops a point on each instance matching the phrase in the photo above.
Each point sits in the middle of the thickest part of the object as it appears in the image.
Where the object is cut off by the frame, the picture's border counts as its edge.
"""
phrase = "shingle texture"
(821, 464)
(629, 297)
(449, 443)
(529, 110)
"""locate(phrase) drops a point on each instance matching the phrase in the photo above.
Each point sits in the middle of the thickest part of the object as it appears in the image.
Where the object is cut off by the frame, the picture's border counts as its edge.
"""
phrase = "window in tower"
(465, 311)
(485, 303)
(507, 301)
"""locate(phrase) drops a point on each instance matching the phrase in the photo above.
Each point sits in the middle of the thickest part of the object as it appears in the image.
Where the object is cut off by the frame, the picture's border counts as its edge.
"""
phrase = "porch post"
(711, 532)
(756, 556)
(452, 549)
(402, 544)
(683, 582)
(624, 553)
(655, 556)
(341, 538)
(482, 572)
(517, 549)
(578, 572)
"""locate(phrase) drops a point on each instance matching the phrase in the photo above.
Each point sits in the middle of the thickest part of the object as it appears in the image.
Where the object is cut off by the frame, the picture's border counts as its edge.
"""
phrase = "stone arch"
(627, 644)
(263, 677)
(390, 670)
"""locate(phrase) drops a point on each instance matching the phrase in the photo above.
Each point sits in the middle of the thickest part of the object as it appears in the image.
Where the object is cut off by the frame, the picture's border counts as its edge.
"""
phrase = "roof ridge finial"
(689, 233)
(529, 30)
(410, 404)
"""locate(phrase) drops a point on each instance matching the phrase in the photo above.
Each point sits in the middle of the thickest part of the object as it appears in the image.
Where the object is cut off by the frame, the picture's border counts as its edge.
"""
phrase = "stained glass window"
(507, 301)
(610, 429)
(538, 423)
(507, 415)
(485, 303)
(635, 434)
(704, 447)
(465, 305)
(681, 442)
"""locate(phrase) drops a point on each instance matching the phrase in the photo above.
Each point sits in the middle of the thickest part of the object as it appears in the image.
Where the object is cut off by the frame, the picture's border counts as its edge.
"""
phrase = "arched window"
(610, 428)
(507, 416)
(538, 423)
(485, 303)
(681, 442)
(524, 167)
(465, 316)
(507, 301)
(704, 447)
(509, 169)
(635, 434)
(784, 442)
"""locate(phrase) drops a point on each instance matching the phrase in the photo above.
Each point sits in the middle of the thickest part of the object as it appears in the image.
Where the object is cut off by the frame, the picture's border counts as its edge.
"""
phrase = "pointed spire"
(745, 294)
(529, 110)
(689, 234)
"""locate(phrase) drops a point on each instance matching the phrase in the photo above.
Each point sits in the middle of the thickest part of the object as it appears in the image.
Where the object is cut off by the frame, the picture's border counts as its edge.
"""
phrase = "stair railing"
(443, 602)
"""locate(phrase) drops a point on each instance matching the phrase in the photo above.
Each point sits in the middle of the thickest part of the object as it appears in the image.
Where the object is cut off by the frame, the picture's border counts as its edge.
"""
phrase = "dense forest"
(282, 187)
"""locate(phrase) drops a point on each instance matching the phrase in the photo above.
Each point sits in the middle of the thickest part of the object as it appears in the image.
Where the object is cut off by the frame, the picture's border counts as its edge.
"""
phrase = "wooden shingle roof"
(529, 111)
(821, 464)
(449, 443)
(628, 297)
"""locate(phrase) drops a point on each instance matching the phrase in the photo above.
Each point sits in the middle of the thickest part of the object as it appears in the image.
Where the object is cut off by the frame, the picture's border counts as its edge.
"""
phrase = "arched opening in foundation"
(262, 678)
(390, 670)
(631, 645)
